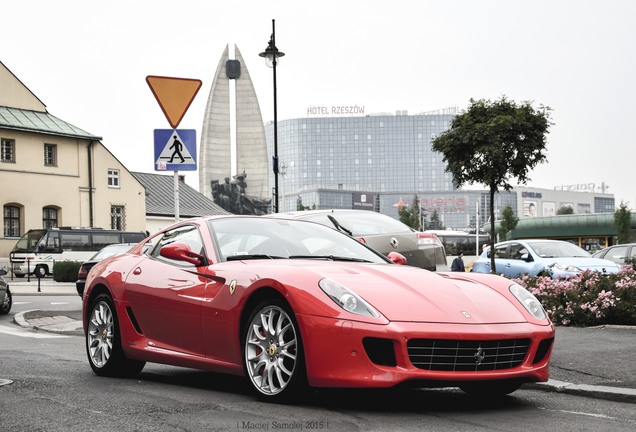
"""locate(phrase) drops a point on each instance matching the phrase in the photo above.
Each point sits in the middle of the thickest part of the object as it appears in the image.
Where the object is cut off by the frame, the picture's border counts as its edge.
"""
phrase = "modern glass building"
(376, 161)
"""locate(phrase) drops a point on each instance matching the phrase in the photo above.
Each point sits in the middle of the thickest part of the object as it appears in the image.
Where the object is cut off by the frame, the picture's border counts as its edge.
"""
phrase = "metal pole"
(477, 228)
(275, 161)
(176, 196)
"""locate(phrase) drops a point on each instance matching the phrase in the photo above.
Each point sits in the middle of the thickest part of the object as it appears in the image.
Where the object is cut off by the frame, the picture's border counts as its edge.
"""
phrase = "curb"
(59, 324)
(616, 394)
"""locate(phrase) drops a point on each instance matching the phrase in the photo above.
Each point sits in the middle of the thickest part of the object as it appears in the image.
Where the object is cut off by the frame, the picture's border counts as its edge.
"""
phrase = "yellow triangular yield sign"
(174, 95)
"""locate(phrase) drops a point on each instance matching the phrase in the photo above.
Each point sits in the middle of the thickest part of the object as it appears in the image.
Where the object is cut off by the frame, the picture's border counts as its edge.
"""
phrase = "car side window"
(500, 252)
(517, 251)
(617, 254)
(188, 234)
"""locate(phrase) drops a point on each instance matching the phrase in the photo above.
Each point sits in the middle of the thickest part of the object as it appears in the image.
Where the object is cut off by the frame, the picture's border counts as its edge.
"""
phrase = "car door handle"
(137, 271)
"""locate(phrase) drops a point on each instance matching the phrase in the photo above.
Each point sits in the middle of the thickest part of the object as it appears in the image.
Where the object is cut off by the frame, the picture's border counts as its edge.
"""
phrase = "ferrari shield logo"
(232, 286)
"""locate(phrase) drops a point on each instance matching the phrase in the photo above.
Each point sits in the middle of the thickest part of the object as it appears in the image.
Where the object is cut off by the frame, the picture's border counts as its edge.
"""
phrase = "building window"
(8, 150)
(49, 217)
(113, 178)
(117, 217)
(11, 221)
(50, 154)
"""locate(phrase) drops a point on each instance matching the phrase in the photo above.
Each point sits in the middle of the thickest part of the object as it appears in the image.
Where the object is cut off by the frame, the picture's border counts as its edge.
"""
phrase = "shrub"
(66, 271)
(589, 299)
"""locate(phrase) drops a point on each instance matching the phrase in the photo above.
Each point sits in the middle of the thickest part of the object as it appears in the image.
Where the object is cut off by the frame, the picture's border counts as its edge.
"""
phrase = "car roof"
(321, 211)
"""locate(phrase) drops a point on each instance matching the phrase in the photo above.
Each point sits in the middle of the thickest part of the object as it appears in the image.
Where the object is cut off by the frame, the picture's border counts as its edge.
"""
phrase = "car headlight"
(566, 267)
(347, 299)
(529, 301)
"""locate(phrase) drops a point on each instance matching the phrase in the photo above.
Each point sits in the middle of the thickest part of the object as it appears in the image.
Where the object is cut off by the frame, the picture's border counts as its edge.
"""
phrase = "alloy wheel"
(271, 350)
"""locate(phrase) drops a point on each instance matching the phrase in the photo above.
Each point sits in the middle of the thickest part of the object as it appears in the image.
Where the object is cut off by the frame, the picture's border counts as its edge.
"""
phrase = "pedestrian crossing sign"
(175, 150)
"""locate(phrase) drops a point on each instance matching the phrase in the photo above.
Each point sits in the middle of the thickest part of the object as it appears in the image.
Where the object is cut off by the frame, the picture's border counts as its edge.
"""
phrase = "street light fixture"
(271, 55)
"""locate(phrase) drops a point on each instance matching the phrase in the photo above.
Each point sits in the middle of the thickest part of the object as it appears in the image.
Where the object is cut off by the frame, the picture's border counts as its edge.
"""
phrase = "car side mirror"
(397, 258)
(527, 257)
(179, 251)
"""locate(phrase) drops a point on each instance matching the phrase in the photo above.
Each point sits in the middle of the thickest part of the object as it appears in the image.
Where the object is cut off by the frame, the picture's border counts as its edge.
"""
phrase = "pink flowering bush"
(589, 299)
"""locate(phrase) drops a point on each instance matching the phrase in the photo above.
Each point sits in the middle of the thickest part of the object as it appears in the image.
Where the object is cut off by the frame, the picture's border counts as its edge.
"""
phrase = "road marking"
(603, 416)
(24, 333)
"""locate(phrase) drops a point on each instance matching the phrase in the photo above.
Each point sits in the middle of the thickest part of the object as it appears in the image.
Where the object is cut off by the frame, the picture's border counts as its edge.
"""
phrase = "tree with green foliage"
(623, 222)
(301, 207)
(493, 142)
(435, 223)
(508, 222)
(565, 210)
(410, 214)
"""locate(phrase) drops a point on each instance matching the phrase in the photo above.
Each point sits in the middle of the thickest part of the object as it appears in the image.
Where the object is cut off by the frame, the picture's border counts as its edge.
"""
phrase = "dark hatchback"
(106, 252)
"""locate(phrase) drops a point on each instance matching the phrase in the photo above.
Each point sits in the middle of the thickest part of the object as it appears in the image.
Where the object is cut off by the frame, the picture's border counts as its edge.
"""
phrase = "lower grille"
(467, 355)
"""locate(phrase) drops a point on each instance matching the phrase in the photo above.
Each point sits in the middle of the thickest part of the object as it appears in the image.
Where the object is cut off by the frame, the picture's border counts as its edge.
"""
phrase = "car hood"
(585, 263)
(406, 293)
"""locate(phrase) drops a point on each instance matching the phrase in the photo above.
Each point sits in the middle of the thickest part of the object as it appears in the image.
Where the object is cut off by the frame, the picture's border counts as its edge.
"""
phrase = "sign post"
(174, 149)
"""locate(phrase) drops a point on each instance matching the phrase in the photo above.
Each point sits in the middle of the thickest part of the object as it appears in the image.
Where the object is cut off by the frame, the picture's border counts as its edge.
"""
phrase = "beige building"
(53, 174)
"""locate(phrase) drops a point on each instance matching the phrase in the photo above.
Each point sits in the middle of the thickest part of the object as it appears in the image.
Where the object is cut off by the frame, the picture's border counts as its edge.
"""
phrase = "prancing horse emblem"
(479, 356)
(232, 286)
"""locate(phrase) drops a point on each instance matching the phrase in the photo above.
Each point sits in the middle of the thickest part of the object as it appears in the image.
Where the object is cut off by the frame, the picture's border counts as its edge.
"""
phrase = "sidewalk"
(595, 362)
(45, 286)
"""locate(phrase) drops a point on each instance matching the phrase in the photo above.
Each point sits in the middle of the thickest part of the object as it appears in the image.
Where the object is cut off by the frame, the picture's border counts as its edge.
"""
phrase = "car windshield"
(111, 250)
(558, 250)
(259, 238)
(362, 223)
(29, 241)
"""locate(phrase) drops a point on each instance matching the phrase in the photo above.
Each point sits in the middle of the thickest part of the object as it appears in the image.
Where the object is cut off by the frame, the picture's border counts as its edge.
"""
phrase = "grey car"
(617, 253)
(382, 233)
(6, 300)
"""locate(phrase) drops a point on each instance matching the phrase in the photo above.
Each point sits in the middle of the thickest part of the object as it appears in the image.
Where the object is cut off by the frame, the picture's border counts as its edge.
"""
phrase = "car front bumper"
(338, 352)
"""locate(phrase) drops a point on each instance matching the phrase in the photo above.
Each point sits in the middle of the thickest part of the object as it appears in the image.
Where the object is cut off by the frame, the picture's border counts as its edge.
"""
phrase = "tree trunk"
(493, 232)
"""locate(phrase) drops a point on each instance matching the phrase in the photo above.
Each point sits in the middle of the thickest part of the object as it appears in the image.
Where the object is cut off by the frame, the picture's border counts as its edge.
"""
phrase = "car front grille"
(467, 355)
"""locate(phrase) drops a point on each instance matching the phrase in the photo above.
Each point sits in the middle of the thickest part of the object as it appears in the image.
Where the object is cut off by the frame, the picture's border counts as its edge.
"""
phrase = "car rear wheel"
(103, 341)
(5, 307)
(490, 388)
(273, 354)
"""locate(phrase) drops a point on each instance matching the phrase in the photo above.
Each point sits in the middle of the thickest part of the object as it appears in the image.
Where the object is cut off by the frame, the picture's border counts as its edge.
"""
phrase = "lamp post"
(271, 55)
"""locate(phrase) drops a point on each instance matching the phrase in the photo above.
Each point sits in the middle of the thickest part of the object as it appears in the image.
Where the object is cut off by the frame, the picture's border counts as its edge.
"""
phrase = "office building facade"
(379, 162)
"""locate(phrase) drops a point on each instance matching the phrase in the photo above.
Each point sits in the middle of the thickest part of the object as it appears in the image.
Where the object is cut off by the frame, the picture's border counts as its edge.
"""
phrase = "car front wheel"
(5, 307)
(103, 341)
(273, 354)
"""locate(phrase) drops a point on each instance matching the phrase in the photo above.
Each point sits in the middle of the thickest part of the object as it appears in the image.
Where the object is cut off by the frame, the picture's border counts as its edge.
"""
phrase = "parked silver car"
(617, 253)
(6, 300)
(382, 233)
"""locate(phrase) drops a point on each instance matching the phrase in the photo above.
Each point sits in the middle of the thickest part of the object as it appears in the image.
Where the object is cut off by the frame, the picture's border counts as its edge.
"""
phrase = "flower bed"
(589, 299)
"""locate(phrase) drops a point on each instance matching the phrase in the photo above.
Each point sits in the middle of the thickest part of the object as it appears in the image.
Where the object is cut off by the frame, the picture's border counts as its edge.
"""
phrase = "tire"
(491, 388)
(40, 271)
(103, 341)
(272, 352)
(5, 307)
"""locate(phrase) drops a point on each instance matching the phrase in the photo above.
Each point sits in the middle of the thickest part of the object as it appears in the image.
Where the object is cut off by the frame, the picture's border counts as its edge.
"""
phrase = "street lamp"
(271, 55)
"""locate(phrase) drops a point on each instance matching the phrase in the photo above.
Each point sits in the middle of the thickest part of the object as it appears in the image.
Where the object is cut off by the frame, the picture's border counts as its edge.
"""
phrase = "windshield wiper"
(329, 257)
(251, 257)
(338, 226)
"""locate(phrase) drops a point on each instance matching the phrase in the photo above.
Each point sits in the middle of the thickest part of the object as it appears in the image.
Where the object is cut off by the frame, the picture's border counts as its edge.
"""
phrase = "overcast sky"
(87, 61)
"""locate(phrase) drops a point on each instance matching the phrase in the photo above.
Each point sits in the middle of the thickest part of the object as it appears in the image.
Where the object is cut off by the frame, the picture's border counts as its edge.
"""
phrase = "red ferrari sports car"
(292, 304)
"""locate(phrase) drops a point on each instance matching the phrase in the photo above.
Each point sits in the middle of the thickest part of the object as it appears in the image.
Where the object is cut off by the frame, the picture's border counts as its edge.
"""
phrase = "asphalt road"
(49, 386)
